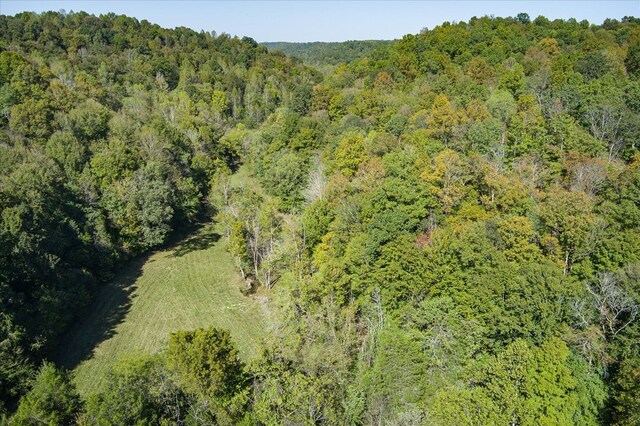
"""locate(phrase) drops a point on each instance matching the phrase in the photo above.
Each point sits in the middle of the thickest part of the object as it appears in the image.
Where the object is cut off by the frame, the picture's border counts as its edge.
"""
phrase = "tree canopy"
(445, 228)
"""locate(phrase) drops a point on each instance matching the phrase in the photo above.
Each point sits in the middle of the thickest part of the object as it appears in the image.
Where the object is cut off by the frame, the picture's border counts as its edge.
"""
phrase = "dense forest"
(320, 53)
(451, 223)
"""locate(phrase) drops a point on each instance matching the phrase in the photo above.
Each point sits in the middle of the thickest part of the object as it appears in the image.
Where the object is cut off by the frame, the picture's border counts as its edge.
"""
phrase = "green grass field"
(192, 284)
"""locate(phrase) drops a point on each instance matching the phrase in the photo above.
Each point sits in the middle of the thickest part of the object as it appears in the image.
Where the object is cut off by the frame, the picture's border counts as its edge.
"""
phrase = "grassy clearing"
(192, 284)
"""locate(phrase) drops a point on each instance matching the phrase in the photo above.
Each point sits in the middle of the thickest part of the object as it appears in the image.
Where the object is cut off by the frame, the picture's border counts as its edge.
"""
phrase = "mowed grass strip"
(193, 284)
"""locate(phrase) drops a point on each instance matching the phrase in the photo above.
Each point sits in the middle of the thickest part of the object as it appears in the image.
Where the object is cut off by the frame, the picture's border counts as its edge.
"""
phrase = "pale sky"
(326, 20)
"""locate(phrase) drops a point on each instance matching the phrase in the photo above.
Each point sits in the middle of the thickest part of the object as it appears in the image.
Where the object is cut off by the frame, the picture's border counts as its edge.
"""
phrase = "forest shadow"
(98, 321)
(200, 240)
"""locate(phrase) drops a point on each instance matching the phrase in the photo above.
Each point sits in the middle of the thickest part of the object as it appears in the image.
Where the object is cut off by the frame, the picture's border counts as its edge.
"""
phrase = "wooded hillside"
(448, 229)
(320, 53)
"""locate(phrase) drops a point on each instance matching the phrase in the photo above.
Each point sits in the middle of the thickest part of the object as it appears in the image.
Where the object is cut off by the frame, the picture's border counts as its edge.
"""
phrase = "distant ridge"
(327, 53)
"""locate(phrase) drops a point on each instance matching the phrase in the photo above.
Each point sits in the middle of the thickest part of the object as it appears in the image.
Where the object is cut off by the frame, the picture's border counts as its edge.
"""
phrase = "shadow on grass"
(202, 240)
(98, 321)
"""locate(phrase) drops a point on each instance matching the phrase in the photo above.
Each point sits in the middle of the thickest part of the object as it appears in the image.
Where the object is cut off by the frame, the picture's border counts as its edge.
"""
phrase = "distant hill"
(327, 53)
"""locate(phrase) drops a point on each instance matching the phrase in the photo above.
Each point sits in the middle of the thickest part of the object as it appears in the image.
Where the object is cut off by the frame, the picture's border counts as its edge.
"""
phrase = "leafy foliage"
(111, 130)
(52, 400)
(446, 228)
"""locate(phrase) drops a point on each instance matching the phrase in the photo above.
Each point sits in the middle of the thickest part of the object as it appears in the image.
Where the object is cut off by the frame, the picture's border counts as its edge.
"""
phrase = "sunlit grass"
(192, 284)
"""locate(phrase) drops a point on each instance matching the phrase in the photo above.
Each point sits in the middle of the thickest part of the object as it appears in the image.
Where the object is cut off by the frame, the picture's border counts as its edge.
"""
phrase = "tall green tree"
(52, 400)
